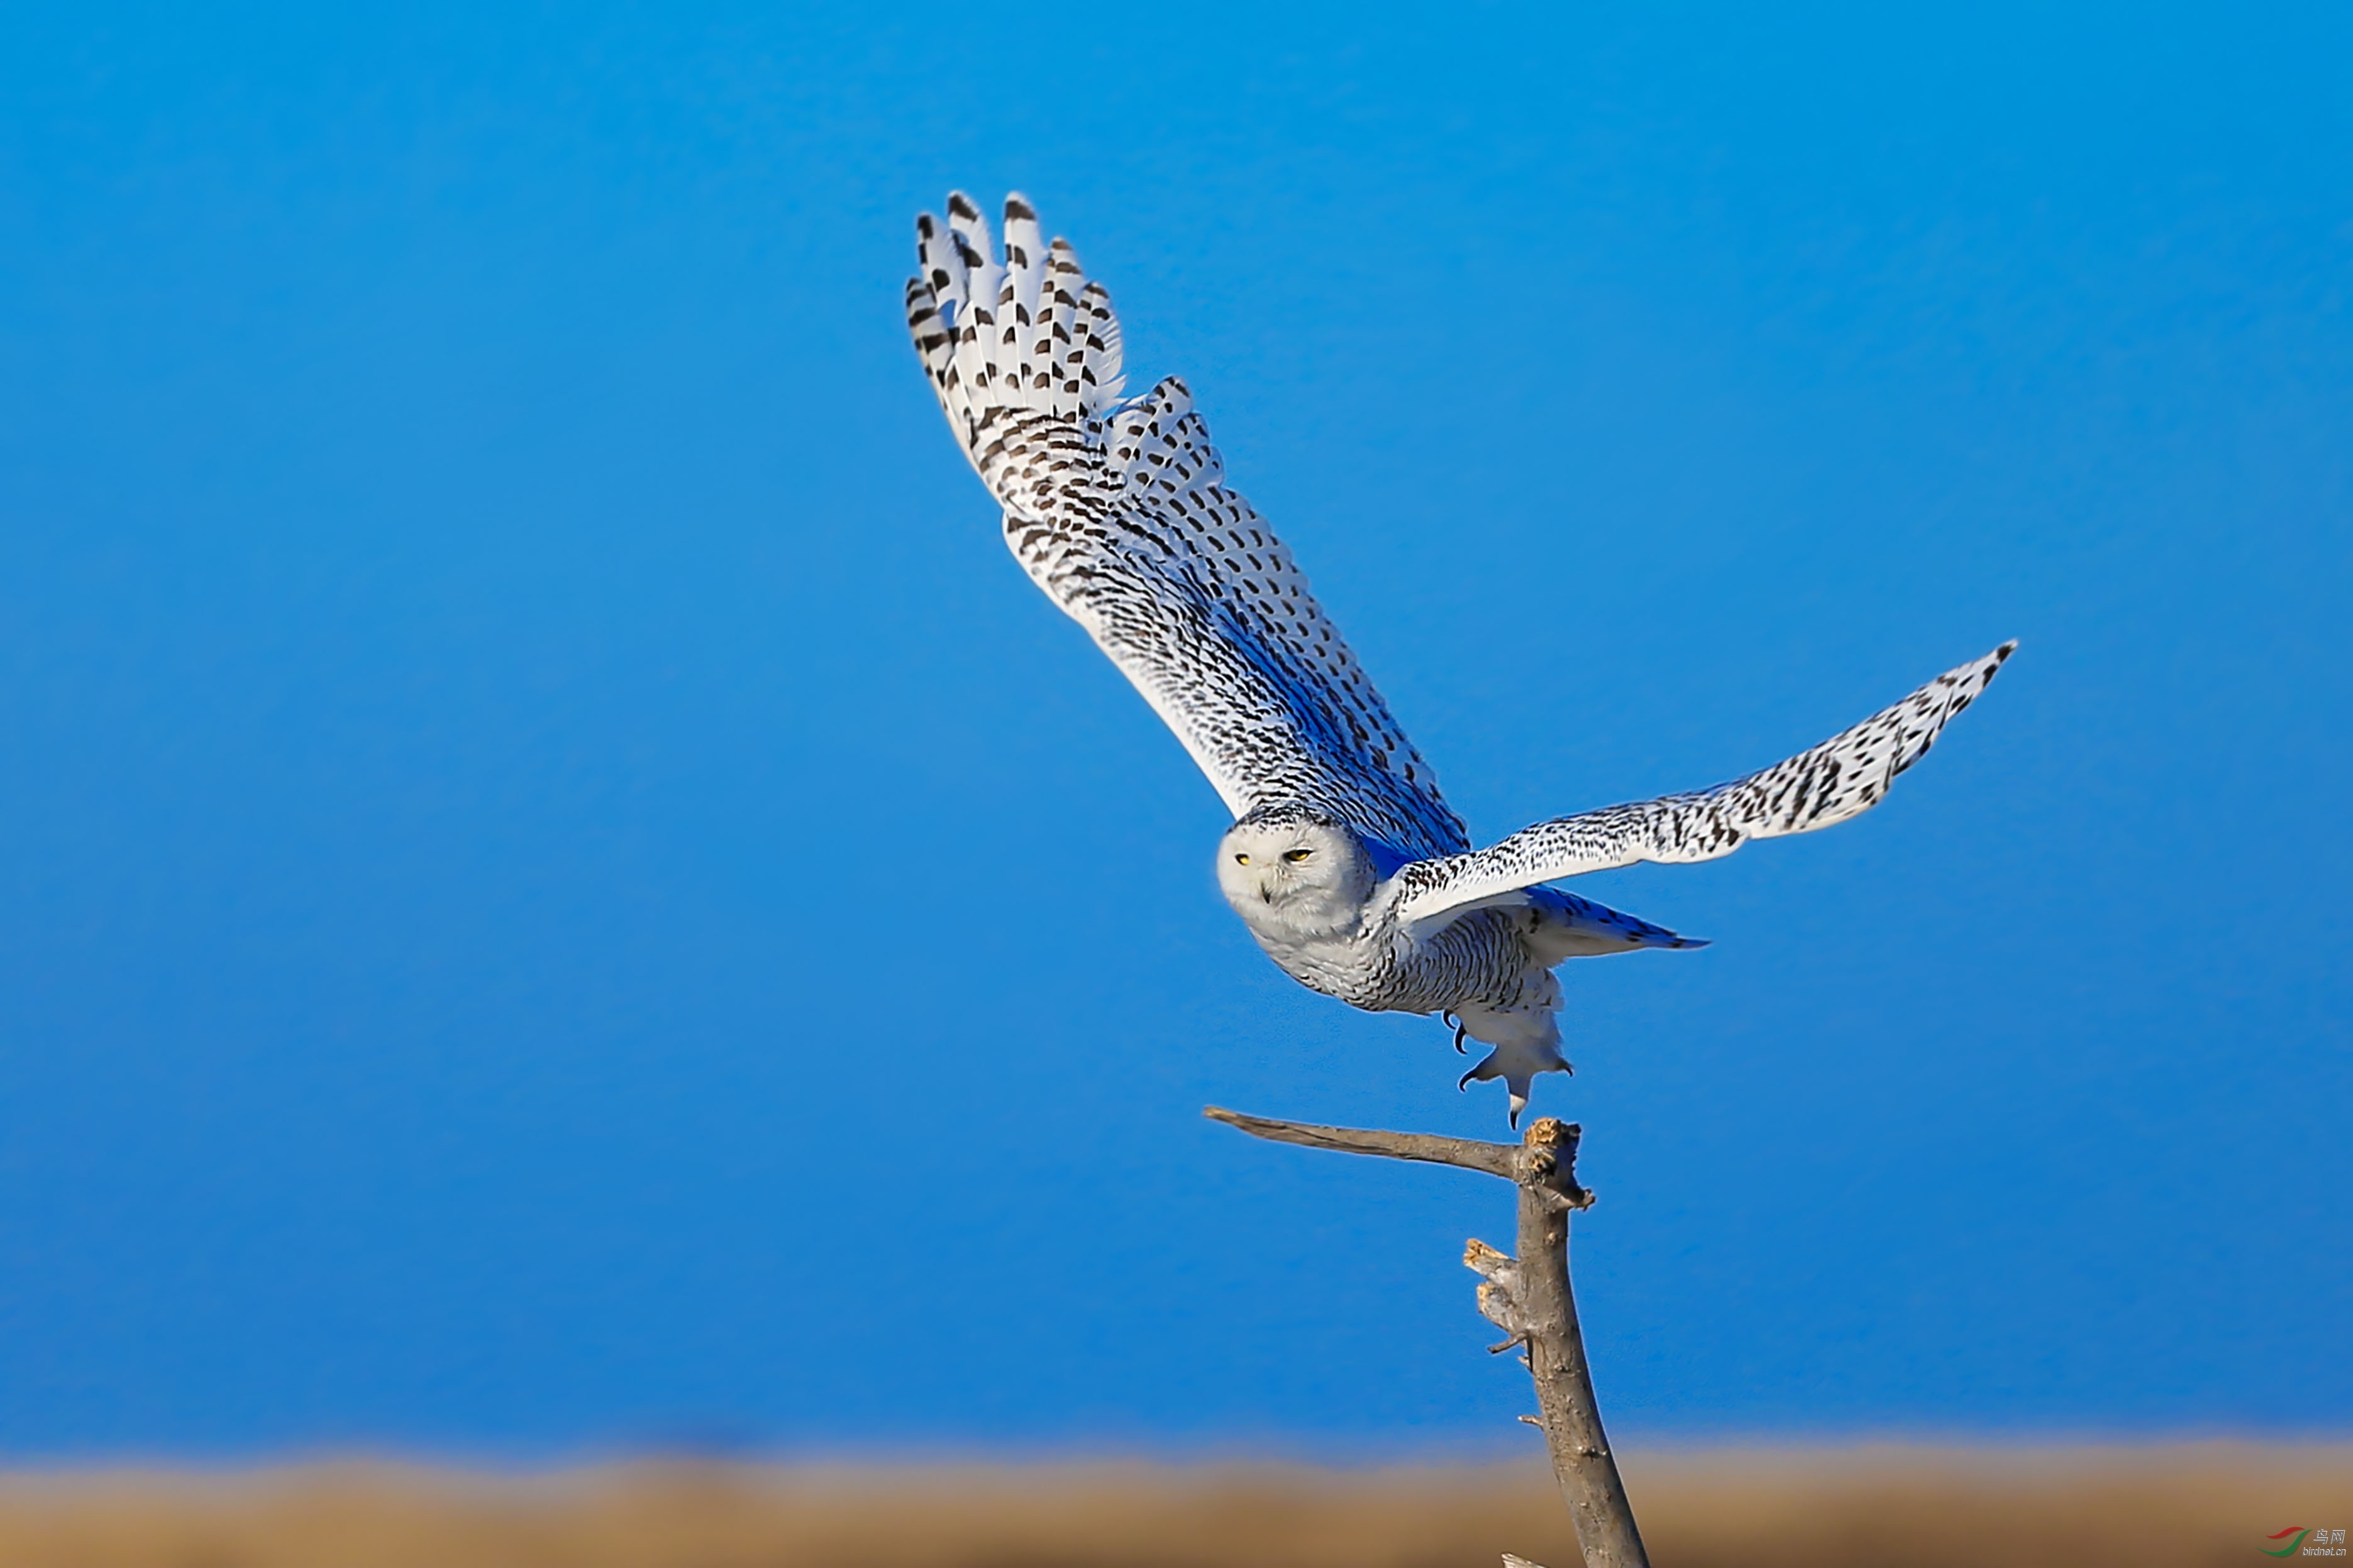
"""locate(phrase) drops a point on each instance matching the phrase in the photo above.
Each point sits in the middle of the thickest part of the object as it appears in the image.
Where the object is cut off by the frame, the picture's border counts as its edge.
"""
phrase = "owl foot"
(1517, 1063)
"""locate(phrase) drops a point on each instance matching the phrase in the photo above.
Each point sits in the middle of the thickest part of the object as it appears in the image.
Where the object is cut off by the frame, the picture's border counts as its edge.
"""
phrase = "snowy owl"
(1344, 861)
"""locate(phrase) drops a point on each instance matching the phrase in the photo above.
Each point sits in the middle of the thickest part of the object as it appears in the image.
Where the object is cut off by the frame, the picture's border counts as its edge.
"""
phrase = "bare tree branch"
(1496, 1159)
(1528, 1297)
(1581, 1461)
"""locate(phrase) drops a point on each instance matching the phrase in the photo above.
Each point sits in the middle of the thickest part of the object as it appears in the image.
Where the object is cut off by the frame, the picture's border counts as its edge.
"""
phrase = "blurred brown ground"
(1890, 1507)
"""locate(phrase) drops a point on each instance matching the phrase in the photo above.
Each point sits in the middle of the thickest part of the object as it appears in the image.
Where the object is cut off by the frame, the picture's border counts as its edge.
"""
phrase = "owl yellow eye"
(1241, 859)
(1296, 856)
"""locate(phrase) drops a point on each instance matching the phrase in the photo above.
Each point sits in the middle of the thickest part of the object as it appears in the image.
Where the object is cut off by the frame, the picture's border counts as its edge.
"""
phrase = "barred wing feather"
(1119, 511)
(1841, 778)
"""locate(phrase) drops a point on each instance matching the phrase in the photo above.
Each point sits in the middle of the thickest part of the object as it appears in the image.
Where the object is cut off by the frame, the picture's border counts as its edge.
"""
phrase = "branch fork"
(1527, 1296)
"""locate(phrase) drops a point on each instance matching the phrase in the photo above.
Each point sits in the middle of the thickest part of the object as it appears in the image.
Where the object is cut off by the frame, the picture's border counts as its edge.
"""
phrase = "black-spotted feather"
(1119, 511)
(1842, 777)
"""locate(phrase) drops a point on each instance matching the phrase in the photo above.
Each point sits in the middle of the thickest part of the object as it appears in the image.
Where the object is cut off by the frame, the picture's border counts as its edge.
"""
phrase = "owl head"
(1295, 871)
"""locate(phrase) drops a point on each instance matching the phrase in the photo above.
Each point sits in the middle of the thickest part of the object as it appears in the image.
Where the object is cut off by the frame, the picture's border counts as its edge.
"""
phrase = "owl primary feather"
(1344, 860)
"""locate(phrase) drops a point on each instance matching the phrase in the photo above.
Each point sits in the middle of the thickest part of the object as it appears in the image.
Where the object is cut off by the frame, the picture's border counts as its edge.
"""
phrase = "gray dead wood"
(1528, 1297)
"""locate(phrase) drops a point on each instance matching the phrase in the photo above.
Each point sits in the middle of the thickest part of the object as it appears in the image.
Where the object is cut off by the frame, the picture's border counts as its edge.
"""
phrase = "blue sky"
(562, 890)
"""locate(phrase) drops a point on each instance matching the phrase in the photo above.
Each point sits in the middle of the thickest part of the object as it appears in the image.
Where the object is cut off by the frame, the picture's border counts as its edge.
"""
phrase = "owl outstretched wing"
(1842, 777)
(1119, 509)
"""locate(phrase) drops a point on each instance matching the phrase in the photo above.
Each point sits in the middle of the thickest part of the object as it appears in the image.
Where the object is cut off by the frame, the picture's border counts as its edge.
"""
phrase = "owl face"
(1295, 874)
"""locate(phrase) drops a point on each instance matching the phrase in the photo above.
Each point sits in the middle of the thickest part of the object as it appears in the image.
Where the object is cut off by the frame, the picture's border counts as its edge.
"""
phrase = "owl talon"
(1460, 1030)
